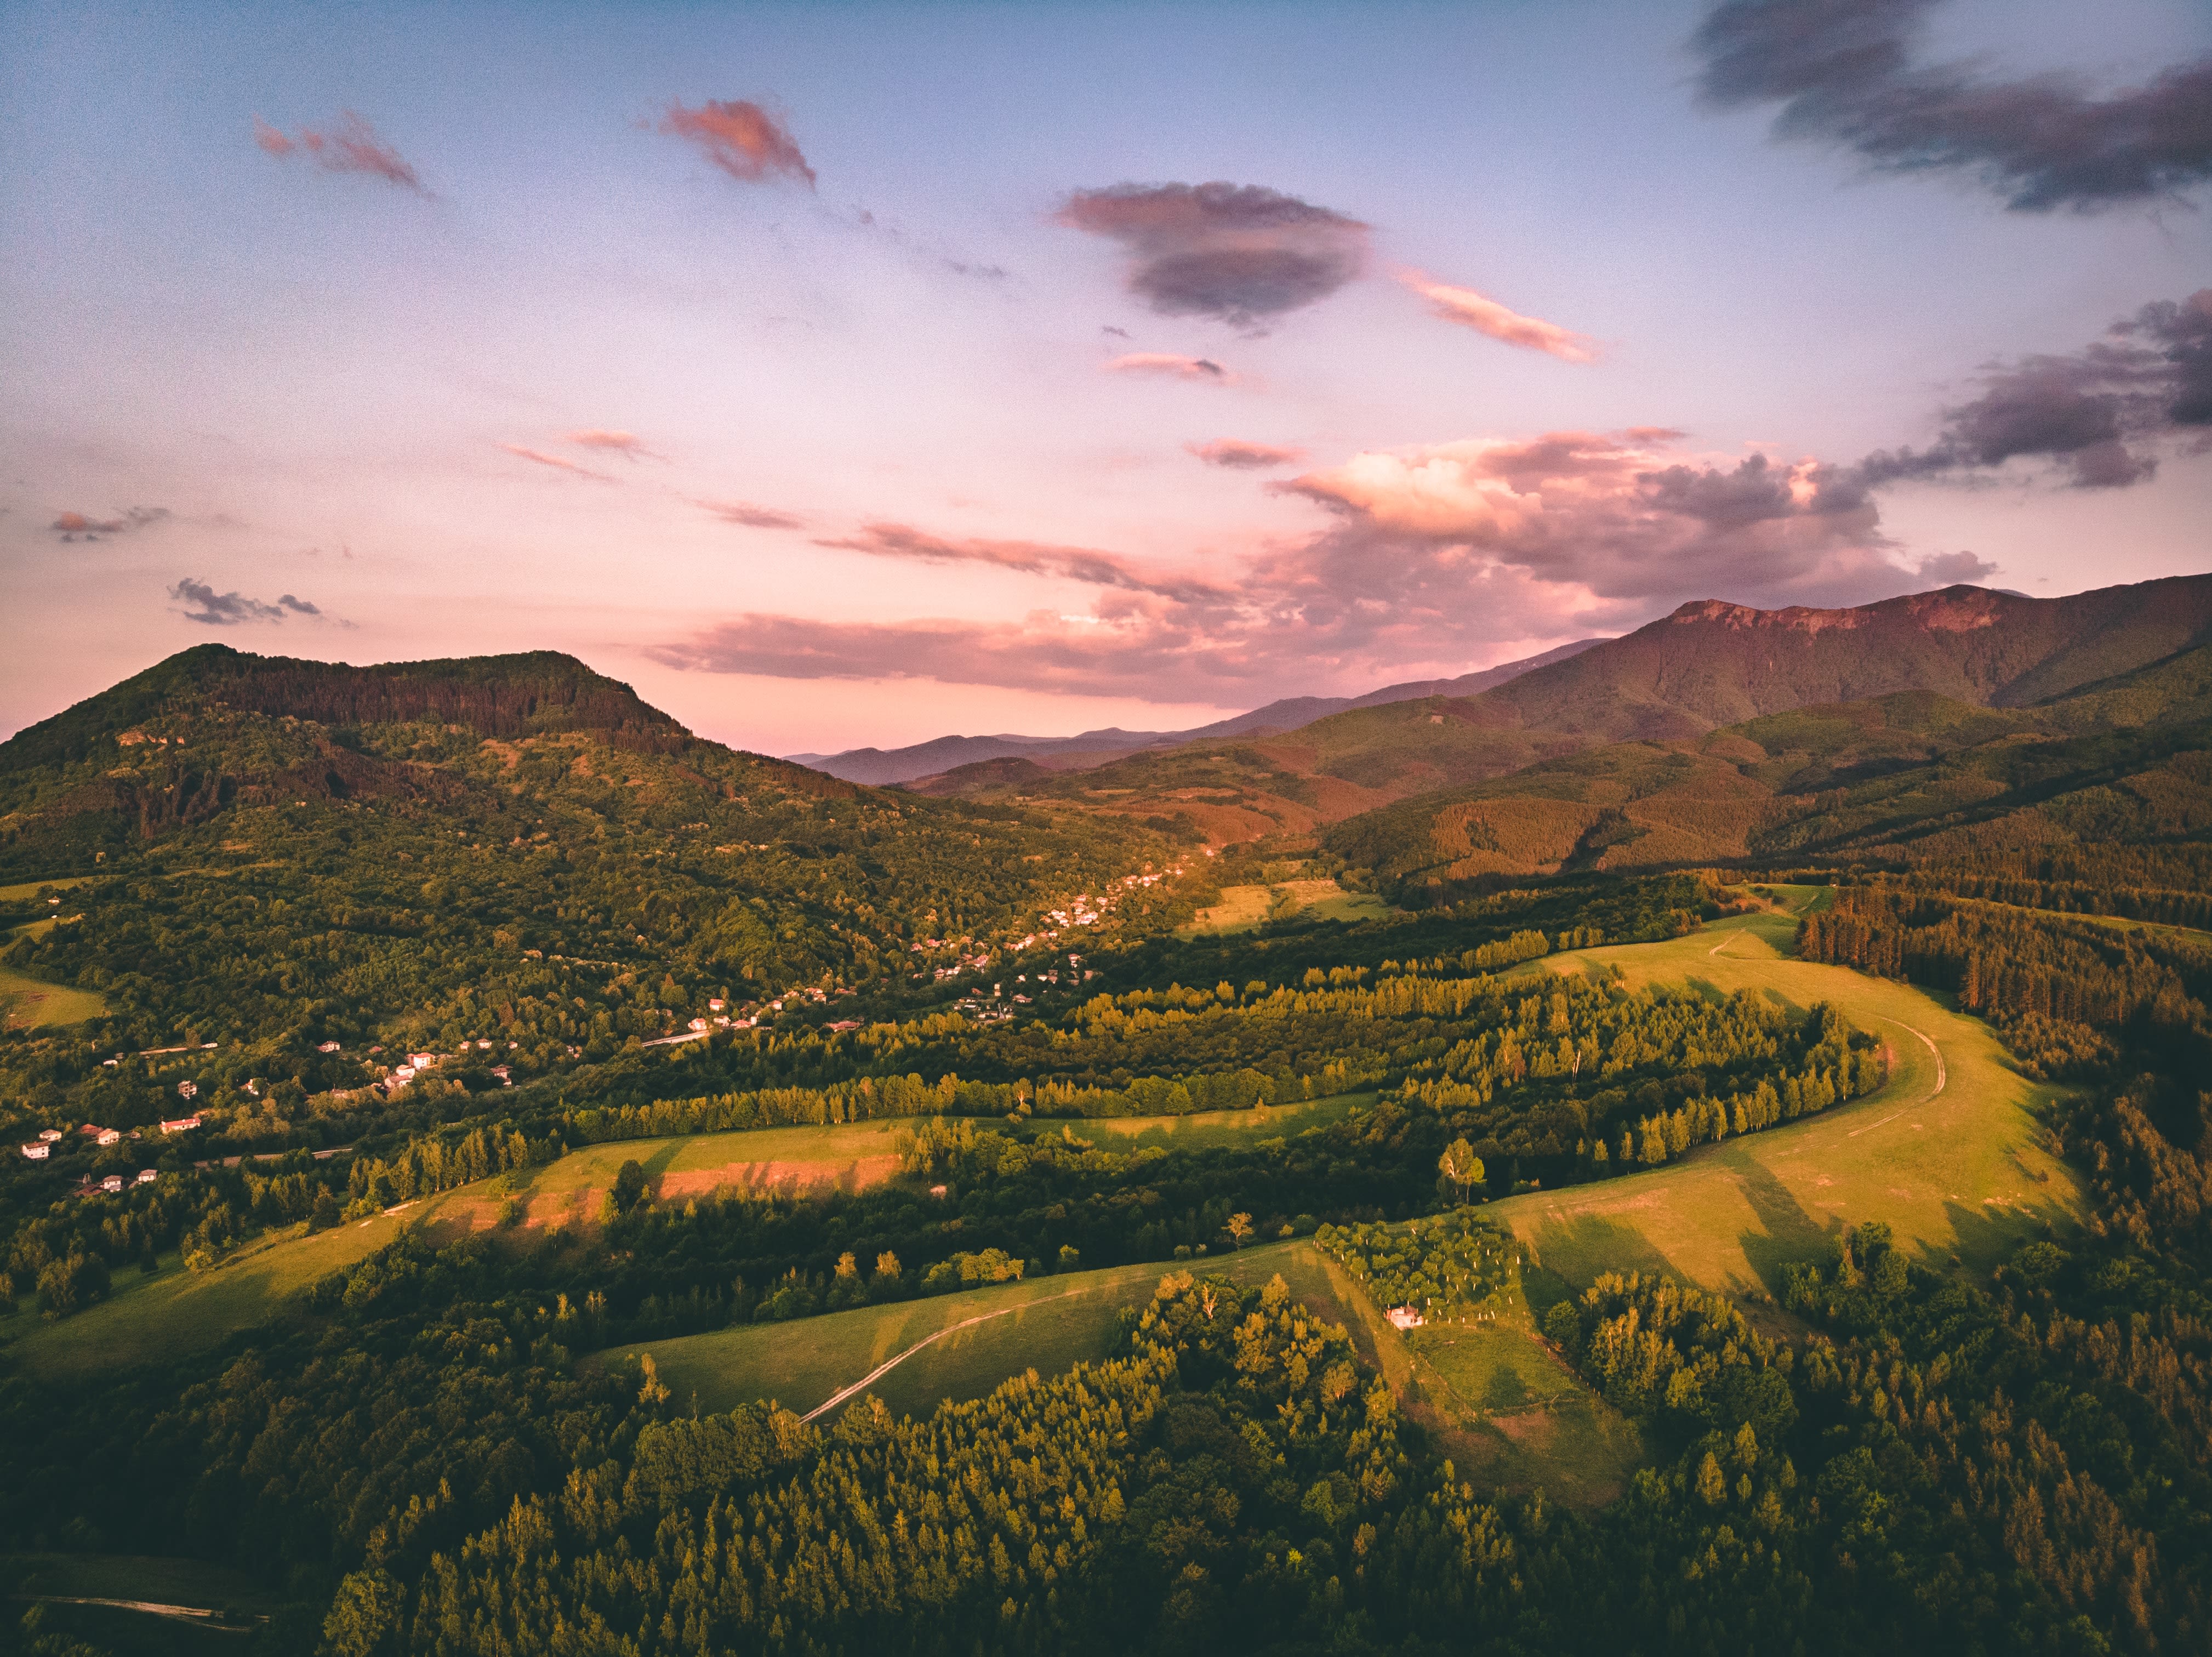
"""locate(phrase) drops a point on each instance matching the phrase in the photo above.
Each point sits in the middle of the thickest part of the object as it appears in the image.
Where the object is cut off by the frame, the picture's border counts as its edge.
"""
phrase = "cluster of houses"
(41, 1149)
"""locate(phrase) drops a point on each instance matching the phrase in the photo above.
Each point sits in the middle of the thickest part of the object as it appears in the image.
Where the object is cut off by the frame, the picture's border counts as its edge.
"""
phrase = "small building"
(113, 1183)
(404, 1075)
(182, 1125)
(188, 1090)
(49, 1135)
(326, 1047)
(715, 1006)
(147, 1176)
(1404, 1317)
(420, 1061)
(697, 1024)
(843, 1025)
(110, 1136)
(505, 1074)
(38, 1151)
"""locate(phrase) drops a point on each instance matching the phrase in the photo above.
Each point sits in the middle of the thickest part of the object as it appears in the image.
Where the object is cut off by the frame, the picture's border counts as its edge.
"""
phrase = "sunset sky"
(845, 374)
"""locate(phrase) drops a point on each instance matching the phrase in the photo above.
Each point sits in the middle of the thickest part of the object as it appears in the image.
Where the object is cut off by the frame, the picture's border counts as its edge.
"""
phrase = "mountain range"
(1707, 666)
(931, 759)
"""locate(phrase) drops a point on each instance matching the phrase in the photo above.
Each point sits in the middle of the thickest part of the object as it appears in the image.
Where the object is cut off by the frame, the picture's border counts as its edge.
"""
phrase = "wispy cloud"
(1080, 563)
(1487, 316)
(540, 458)
(351, 145)
(1844, 73)
(1172, 365)
(745, 515)
(740, 138)
(1240, 456)
(203, 604)
(1241, 253)
(81, 526)
(626, 444)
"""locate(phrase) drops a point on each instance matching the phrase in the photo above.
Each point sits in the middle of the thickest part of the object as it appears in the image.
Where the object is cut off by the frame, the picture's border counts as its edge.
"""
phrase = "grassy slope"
(1058, 1322)
(180, 1312)
(154, 1318)
(29, 1002)
(1242, 908)
(1963, 1176)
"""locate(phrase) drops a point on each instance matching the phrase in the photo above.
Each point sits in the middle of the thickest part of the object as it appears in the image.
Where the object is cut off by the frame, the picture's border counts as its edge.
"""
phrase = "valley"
(1676, 1086)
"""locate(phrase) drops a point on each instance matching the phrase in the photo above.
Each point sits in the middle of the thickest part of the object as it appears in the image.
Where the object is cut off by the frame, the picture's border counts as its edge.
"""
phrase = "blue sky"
(816, 465)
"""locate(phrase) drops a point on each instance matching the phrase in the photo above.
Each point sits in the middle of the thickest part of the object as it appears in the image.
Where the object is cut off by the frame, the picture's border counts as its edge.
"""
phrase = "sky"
(847, 374)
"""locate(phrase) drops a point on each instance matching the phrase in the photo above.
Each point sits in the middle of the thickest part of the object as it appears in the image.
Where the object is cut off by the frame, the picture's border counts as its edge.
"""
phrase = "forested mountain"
(1710, 665)
(1912, 776)
(277, 854)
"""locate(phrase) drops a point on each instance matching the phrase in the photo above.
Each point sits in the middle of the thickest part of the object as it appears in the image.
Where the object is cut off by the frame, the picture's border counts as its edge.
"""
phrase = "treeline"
(2012, 965)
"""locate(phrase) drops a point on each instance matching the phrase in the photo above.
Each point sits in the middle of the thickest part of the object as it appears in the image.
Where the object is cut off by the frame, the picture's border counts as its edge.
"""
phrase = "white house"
(113, 1183)
(111, 1136)
(422, 1061)
(326, 1047)
(147, 1176)
(1404, 1317)
(48, 1136)
(182, 1125)
(38, 1151)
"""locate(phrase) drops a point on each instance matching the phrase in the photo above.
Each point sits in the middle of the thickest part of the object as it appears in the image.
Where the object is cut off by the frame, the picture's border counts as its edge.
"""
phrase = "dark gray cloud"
(1237, 253)
(212, 609)
(2101, 413)
(1842, 72)
(1948, 569)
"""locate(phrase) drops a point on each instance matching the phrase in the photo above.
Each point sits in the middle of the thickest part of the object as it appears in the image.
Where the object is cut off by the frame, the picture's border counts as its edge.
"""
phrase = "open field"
(1213, 1129)
(1244, 907)
(1948, 1152)
(129, 1576)
(1048, 1325)
(29, 889)
(27, 1002)
(177, 1311)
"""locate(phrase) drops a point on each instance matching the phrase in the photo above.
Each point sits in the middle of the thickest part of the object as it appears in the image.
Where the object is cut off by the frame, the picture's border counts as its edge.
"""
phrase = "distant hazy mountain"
(881, 766)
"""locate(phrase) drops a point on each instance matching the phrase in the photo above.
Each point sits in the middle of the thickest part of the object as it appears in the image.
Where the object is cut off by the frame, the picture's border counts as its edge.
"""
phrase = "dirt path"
(892, 1363)
(202, 1616)
(1927, 1040)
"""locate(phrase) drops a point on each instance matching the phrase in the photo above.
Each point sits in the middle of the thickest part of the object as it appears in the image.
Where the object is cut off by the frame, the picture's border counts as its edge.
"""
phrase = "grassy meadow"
(1242, 908)
(1047, 1324)
(1950, 1151)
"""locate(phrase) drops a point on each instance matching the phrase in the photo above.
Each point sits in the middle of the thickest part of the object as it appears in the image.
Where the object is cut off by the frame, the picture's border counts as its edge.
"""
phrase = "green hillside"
(1909, 775)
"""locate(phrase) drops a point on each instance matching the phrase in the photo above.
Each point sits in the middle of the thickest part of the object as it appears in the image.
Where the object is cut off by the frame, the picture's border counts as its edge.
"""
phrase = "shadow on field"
(1787, 1233)
(1614, 1246)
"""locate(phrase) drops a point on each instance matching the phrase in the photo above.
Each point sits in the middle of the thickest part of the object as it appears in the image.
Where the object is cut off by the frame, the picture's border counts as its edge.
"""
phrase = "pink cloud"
(613, 442)
(1170, 363)
(1487, 316)
(745, 515)
(741, 138)
(555, 462)
(1241, 456)
(70, 524)
(1078, 563)
(350, 146)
